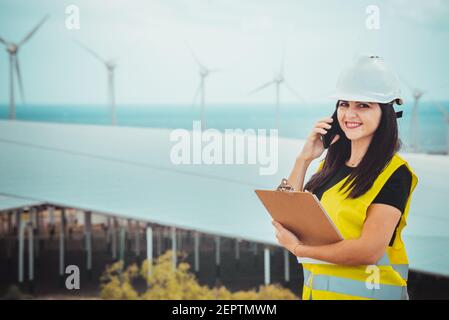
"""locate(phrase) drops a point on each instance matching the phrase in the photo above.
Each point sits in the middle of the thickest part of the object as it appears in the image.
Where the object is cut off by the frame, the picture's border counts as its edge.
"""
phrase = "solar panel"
(127, 172)
(8, 203)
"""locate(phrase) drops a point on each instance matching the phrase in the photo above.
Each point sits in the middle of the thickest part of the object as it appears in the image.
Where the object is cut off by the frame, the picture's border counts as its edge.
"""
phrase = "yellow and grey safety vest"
(388, 278)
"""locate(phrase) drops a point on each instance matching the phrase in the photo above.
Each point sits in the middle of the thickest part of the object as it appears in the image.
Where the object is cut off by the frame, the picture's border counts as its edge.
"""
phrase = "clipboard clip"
(284, 186)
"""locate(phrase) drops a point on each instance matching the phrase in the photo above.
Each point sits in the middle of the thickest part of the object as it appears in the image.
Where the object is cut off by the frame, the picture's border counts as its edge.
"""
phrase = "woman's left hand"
(286, 238)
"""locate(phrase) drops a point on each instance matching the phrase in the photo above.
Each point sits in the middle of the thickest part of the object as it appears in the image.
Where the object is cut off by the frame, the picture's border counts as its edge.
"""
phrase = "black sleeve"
(396, 190)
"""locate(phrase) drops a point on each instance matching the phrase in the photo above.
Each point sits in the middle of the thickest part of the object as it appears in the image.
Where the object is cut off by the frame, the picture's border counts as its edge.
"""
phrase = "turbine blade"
(30, 34)
(3, 41)
(442, 86)
(214, 70)
(93, 53)
(282, 62)
(19, 79)
(440, 108)
(262, 87)
(408, 85)
(293, 91)
(198, 62)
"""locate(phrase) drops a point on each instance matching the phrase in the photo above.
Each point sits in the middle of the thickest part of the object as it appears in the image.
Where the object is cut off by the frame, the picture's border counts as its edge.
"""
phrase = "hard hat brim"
(362, 98)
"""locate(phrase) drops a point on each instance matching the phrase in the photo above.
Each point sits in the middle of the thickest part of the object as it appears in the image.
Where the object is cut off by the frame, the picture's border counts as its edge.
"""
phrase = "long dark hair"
(384, 144)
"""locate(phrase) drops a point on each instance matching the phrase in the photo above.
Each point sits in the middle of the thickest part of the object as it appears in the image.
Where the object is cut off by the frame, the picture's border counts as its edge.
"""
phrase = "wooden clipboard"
(302, 214)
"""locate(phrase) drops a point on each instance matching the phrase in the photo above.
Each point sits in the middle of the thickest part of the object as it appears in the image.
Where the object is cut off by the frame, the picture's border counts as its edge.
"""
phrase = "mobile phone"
(332, 132)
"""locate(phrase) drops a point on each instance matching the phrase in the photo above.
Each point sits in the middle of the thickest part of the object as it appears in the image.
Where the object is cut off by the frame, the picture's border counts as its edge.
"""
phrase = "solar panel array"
(127, 172)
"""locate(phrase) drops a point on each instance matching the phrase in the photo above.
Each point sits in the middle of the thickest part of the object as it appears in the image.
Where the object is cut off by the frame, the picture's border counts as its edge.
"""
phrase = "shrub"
(164, 283)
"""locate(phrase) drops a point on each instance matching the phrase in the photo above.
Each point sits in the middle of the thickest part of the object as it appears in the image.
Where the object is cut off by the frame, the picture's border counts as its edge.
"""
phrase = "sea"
(296, 121)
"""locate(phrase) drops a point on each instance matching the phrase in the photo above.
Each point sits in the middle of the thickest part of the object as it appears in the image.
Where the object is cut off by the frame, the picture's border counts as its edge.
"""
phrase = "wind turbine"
(110, 66)
(446, 117)
(278, 80)
(13, 49)
(414, 124)
(204, 72)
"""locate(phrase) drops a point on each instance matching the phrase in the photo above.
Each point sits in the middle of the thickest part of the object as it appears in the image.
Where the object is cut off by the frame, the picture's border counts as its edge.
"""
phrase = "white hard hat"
(369, 79)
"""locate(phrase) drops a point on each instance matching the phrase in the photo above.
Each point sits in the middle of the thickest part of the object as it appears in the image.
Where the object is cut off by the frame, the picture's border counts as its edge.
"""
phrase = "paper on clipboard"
(302, 214)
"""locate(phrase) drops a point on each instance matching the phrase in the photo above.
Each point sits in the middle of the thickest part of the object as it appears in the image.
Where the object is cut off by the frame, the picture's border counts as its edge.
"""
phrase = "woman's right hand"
(313, 148)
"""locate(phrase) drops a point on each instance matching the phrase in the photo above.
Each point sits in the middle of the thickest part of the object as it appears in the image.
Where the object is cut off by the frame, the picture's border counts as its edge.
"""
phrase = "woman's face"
(357, 119)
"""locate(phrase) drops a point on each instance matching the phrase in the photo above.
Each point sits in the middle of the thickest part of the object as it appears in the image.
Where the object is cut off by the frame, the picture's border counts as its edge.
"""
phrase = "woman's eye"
(343, 104)
(363, 105)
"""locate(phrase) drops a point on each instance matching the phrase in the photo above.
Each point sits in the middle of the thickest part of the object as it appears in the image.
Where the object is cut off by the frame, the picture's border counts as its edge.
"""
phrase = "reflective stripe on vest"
(402, 269)
(384, 261)
(307, 278)
(357, 288)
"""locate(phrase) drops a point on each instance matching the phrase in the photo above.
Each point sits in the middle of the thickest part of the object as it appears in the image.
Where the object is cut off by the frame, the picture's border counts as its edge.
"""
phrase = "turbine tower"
(278, 80)
(204, 72)
(110, 66)
(414, 124)
(446, 117)
(14, 66)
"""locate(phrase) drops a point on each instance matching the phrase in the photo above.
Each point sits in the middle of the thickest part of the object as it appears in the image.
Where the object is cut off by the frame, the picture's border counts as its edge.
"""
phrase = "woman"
(364, 186)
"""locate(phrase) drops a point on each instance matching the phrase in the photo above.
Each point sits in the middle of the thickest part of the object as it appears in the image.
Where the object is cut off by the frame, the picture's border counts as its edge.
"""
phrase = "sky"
(243, 39)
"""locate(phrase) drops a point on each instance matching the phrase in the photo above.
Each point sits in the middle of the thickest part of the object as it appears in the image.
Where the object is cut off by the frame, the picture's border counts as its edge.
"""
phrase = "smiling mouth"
(352, 125)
